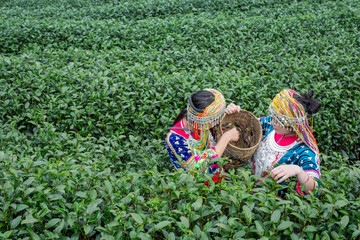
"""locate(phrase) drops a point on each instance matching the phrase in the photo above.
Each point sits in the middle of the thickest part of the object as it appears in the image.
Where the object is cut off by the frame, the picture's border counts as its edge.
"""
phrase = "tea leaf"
(226, 227)
(137, 218)
(259, 228)
(284, 225)
(108, 186)
(107, 237)
(162, 224)
(34, 235)
(248, 213)
(52, 222)
(310, 229)
(87, 229)
(92, 207)
(171, 236)
(356, 234)
(185, 221)
(29, 220)
(275, 217)
(197, 204)
(341, 203)
(344, 221)
(15, 222)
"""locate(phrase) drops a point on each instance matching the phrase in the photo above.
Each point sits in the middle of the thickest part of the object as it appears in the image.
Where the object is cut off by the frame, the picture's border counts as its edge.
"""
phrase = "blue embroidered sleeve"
(177, 146)
(309, 161)
(266, 125)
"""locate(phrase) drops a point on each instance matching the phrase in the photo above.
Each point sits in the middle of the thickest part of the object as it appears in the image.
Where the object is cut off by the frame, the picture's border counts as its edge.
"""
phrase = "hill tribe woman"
(289, 147)
(190, 143)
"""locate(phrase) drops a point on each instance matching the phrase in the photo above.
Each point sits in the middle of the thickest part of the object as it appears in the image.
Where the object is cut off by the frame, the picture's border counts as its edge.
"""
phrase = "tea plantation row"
(106, 60)
(47, 199)
(88, 87)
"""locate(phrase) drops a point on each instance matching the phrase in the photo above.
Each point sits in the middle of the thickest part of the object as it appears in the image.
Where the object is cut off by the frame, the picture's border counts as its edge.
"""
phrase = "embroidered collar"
(275, 146)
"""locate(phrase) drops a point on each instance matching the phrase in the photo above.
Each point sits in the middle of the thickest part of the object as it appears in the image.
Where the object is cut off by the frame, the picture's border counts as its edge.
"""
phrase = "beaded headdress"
(203, 119)
(291, 115)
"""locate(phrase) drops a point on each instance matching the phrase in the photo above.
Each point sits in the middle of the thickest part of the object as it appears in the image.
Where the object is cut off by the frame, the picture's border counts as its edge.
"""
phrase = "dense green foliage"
(87, 88)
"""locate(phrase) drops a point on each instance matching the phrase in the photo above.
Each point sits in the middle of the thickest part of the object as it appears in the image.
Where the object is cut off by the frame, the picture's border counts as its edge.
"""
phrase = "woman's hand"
(232, 135)
(232, 108)
(229, 136)
(283, 172)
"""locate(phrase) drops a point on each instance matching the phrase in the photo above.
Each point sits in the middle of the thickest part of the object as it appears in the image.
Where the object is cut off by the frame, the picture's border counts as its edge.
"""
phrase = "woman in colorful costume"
(190, 143)
(289, 147)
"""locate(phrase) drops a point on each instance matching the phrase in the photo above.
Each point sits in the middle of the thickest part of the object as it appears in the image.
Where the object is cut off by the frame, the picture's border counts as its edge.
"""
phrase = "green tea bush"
(97, 63)
(88, 87)
(87, 198)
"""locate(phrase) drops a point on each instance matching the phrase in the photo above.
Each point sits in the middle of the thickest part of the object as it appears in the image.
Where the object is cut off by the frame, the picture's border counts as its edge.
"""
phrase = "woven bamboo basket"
(250, 137)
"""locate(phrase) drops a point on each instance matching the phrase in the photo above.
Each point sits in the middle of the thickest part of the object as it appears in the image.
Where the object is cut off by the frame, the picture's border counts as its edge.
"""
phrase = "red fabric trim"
(182, 133)
(286, 140)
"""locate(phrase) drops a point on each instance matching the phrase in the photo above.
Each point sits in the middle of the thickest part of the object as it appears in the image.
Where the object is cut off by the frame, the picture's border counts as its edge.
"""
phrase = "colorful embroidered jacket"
(271, 154)
(177, 146)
